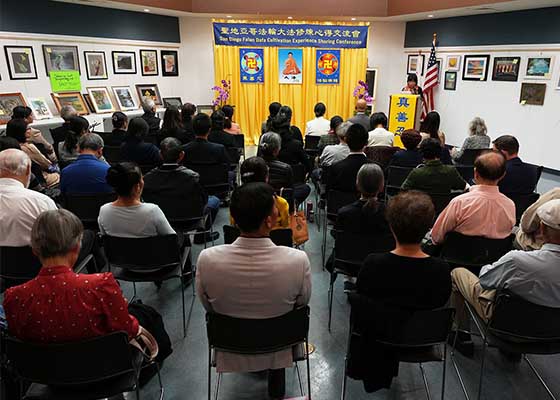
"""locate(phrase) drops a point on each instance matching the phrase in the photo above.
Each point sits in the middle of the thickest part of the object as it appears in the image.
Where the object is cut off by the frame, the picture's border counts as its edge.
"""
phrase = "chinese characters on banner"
(290, 64)
(328, 67)
(286, 35)
(403, 115)
(252, 65)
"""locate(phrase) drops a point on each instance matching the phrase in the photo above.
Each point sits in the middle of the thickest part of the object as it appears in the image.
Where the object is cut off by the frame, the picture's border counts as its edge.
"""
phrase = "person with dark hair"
(412, 85)
(153, 121)
(201, 150)
(342, 174)
(483, 210)
(521, 178)
(433, 177)
(68, 150)
(217, 135)
(405, 279)
(229, 125)
(320, 125)
(135, 149)
(35, 136)
(361, 117)
(331, 138)
(429, 128)
(410, 157)
(173, 126)
(253, 278)
(294, 131)
(273, 109)
(188, 110)
(379, 135)
(120, 125)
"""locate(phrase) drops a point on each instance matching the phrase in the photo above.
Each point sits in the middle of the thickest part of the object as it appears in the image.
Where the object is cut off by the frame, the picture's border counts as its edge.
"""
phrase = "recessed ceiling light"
(228, 16)
(146, 10)
(290, 17)
(431, 16)
(353, 19)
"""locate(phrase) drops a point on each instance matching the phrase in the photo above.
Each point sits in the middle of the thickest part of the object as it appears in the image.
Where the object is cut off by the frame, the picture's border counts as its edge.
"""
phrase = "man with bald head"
(483, 211)
(361, 117)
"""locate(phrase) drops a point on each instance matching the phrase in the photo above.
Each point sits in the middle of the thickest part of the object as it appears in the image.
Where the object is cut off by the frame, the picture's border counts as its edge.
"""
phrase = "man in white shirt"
(379, 136)
(19, 206)
(336, 152)
(320, 125)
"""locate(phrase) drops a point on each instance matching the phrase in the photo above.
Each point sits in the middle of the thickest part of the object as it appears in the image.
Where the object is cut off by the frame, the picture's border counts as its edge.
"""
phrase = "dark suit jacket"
(222, 138)
(521, 178)
(406, 158)
(361, 119)
(116, 138)
(140, 152)
(342, 175)
(201, 151)
(181, 134)
(153, 121)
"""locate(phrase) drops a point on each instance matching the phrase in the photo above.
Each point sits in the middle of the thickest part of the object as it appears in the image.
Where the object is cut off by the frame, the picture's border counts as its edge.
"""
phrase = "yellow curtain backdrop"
(251, 100)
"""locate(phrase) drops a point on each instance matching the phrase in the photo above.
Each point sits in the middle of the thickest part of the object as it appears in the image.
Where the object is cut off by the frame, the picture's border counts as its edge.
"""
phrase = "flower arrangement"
(361, 91)
(222, 93)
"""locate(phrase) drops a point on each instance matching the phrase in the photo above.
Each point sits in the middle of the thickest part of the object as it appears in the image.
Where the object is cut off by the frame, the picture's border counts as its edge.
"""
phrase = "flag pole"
(435, 38)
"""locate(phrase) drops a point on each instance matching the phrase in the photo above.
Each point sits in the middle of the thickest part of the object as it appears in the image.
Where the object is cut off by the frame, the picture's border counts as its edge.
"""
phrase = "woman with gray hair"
(154, 122)
(478, 139)
(280, 173)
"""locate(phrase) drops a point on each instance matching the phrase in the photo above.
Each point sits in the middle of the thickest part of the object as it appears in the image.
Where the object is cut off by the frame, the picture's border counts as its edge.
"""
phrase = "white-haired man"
(149, 107)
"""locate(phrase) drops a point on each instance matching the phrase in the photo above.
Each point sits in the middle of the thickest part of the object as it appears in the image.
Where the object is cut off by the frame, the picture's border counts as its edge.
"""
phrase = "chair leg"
(324, 243)
(161, 390)
(484, 347)
(425, 381)
(218, 386)
(193, 277)
(183, 303)
(299, 379)
(539, 377)
(344, 379)
(331, 295)
(444, 371)
(133, 293)
(209, 373)
(308, 370)
(137, 388)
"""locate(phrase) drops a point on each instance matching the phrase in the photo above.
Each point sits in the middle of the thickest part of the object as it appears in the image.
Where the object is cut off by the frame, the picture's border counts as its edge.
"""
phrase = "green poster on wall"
(65, 81)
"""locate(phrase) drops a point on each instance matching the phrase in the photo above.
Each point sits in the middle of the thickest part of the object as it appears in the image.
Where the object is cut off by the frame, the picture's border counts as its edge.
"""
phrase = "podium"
(404, 114)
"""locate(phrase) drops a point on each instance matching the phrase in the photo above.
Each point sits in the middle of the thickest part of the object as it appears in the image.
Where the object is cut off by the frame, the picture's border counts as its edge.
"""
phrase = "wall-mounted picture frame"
(149, 90)
(7, 103)
(207, 109)
(172, 102)
(169, 63)
(101, 100)
(61, 58)
(124, 98)
(40, 108)
(475, 67)
(124, 62)
(450, 80)
(506, 69)
(89, 103)
(453, 63)
(21, 62)
(539, 67)
(415, 64)
(96, 65)
(74, 99)
(532, 94)
(149, 62)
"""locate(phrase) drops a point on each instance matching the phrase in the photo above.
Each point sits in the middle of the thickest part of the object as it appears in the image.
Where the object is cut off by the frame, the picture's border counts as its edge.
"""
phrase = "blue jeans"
(213, 206)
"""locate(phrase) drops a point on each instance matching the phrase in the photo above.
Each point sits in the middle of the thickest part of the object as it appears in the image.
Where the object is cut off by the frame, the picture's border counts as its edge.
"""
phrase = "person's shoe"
(349, 287)
(463, 345)
(201, 238)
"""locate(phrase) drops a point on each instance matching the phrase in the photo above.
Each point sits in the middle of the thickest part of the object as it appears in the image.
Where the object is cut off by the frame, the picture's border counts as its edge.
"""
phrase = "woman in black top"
(173, 126)
(280, 173)
(187, 113)
(120, 125)
(135, 149)
(405, 279)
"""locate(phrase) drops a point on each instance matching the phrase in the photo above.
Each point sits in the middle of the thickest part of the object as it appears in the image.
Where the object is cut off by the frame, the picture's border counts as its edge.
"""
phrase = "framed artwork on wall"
(96, 65)
(506, 69)
(61, 58)
(74, 99)
(475, 67)
(101, 100)
(124, 62)
(416, 64)
(149, 91)
(169, 63)
(21, 62)
(89, 103)
(172, 102)
(7, 103)
(149, 62)
(450, 80)
(40, 108)
(124, 98)
(539, 67)
(532, 94)
(207, 109)
(453, 63)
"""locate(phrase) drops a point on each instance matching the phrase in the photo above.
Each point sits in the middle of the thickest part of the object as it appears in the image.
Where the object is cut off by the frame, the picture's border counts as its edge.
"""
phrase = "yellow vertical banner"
(403, 114)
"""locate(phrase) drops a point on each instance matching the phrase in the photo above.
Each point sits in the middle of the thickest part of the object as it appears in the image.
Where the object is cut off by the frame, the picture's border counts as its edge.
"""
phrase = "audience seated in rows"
(341, 175)
(361, 117)
(478, 139)
(234, 279)
(59, 134)
(68, 150)
(120, 126)
(153, 121)
(135, 149)
(229, 125)
(188, 110)
(520, 178)
(533, 276)
(405, 279)
(433, 176)
(273, 110)
(201, 150)
(411, 157)
(254, 169)
(88, 174)
(173, 126)
(529, 235)
(379, 135)
(336, 152)
(483, 210)
(318, 126)
(35, 136)
(330, 138)
(429, 128)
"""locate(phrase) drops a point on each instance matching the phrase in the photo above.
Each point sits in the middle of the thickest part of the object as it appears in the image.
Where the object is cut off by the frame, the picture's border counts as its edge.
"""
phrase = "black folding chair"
(442, 200)
(517, 326)
(469, 156)
(258, 336)
(298, 171)
(280, 237)
(239, 140)
(522, 202)
(395, 178)
(151, 259)
(112, 154)
(56, 140)
(312, 145)
(381, 154)
(86, 206)
(213, 177)
(421, 339)
(466, 172)
(89, 369)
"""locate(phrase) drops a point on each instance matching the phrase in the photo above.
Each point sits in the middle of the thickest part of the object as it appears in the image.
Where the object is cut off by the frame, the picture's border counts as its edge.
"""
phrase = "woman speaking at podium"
(412, 85)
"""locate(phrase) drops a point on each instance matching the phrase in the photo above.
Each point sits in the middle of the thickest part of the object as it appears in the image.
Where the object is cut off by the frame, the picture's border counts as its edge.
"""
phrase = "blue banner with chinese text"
(286, 35)
(252, 65)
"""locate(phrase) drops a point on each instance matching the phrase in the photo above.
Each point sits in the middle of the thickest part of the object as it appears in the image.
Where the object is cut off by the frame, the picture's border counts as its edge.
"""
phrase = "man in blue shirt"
(87, 175)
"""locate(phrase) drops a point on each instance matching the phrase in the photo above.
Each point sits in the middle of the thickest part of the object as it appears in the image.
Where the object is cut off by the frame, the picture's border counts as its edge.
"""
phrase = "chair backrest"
(75, 363)
(189, 208)
(280, 237)
(469, 156)
(287, 194)
(257, 336)
(397, 175)
(86, 206)
(234, 154)
(337, 199)
(381, 154)
(112, 154)
(210, 174)
(142, 253)
(239, 141)
(522, 202)
(441, 200)
(473, 251)
(466, 171)
(540, 170)
(351, 249)
(18, 265)
(312, 142)
(298, 171)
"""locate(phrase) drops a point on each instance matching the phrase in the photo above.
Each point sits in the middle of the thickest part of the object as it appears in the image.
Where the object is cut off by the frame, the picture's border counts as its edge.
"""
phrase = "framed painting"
(149, 91)
(207, 109)
(61, 58)
(96, 66)
(506, 69)
(40, 108)
(532, 94)
(89, 103)
(475, 67)
(149, 62)
(21, 62)
(450, 80)
(101, 100)
(7, 103)
(74, 99)
(453, 63)
(124, 62)
(539, 67)
(124, 98)
(169, 63)
(172, 102)
(415, 64)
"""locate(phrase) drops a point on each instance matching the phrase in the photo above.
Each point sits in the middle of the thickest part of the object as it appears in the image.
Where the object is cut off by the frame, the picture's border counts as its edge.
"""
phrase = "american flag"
(430, 82)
